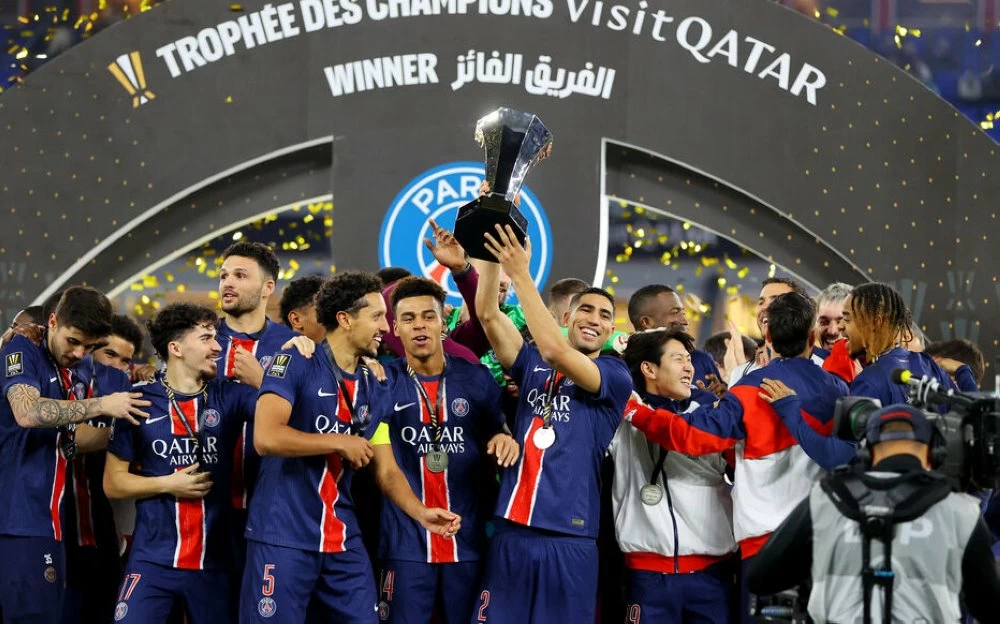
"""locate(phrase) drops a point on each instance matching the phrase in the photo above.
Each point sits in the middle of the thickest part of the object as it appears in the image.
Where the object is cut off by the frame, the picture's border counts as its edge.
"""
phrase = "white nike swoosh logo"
(397, 407)
(150, 421)
(53, 379)
(539, 369)
(325, 394)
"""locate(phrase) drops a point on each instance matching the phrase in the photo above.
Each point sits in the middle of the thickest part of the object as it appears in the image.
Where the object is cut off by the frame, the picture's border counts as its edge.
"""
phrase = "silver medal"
(436, 461)
(651, 494)
(544, 438)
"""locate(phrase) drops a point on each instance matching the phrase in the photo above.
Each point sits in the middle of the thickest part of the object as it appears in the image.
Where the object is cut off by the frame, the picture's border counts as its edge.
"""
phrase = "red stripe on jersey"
(522, 500)
(331, 528)
(84, 518)
(190, 523)
(239, 493)
(189, 409)
(247, 343)
(436, 494)
(343, 411)
(58, 488)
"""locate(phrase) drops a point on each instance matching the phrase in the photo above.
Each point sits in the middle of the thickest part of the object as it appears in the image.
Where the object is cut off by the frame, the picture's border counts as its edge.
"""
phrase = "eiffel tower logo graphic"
(127, 69)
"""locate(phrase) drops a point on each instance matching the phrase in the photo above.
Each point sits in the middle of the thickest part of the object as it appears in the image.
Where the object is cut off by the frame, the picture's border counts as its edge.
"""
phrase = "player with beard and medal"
(52, 390)
(181, 550)
(542, 561)
(314, 421)
(446, 413)
(249, 339)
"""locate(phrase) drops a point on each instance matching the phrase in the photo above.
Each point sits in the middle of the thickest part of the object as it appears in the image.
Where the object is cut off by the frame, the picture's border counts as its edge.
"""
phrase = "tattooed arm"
(31, 410)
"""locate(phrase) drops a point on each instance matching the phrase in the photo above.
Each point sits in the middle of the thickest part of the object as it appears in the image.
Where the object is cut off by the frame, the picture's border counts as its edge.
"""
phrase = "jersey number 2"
(485, 598)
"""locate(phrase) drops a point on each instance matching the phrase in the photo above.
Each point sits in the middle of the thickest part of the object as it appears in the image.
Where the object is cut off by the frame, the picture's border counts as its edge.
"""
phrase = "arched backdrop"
(743, 117)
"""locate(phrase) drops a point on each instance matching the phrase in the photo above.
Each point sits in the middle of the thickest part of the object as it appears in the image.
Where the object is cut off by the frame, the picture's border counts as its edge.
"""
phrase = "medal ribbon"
(437, 431)
(184, 421)
(357, 425)
(552, 385)
(658, 468)
(67, 435)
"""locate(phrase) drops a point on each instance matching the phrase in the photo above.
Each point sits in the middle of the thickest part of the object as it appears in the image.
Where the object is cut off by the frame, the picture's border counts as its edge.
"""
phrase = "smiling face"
(242, 285)
(591, 323)
(767, 295)
(366, 327)
(419, 325)
(670, 377)
(196, 350)
(849, 329)
(828, 323)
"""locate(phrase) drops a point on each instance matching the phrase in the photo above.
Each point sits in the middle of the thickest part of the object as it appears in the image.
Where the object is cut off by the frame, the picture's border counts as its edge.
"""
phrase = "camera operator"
(854, 523)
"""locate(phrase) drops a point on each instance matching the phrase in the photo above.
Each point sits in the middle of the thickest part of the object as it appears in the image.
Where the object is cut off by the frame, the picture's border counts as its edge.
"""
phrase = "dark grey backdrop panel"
(880, 169)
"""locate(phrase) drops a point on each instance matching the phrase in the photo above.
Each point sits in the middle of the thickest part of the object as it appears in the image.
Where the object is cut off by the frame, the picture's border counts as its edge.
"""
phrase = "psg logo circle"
(437, 194)
(266, 607)
(121, 610)
(212, 418)
(460, 407)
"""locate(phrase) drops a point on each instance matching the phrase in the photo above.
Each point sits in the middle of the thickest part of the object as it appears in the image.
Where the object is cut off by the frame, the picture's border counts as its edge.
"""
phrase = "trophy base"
(481, 216)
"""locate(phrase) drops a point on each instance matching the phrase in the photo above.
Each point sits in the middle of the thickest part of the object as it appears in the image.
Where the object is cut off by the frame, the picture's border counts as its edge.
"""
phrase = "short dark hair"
(787, 281)
(344, 292)
(963, 350)
(567, 287)
(128, 330)
(416, 287)
(85, 309)
(388, 275)
(34, 313)
(299, 293)
(716, 345)
(790, 318)
(593, 290)
(174, 321)
(50, 304)
(265, 257)
(647, 346)
(638, 303)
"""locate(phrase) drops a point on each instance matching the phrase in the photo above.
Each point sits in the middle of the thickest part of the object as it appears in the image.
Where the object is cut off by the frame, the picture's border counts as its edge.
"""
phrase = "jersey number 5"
(268, 587)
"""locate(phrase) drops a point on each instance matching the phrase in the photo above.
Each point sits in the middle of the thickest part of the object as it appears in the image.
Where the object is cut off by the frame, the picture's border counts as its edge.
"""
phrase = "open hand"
(774, 390)
(125, 405)
(446, 248)
(302, 344)
(505, 247)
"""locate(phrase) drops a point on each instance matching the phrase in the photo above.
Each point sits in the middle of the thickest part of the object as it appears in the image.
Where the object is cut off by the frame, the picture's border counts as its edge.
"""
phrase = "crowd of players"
(371, 456)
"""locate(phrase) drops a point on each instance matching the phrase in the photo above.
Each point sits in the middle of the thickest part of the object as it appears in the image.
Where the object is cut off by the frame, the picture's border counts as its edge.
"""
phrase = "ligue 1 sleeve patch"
(279, 365)
(15, 364)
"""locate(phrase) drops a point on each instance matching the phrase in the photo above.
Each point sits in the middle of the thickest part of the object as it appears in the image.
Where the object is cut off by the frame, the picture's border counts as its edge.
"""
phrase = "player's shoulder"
(115, 376)
(18, 348)
(289, 363)
(463, 368)
(275, 331)
(151, 387)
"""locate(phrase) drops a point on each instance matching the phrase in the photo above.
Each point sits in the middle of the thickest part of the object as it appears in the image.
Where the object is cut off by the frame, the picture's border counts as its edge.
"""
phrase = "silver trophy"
(514, 141)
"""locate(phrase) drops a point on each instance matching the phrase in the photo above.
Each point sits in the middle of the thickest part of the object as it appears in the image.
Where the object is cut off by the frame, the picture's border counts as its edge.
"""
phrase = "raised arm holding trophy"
(514, 141)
